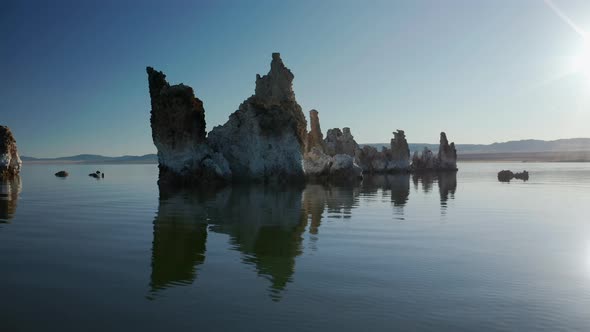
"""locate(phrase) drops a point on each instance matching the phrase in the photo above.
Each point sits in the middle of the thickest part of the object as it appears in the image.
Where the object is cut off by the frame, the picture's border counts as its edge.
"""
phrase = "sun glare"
(581, 62)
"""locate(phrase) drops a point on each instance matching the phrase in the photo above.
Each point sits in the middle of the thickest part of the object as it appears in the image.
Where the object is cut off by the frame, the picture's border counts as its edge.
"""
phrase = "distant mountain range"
(573, 149)
(522, 146)
(95, 159)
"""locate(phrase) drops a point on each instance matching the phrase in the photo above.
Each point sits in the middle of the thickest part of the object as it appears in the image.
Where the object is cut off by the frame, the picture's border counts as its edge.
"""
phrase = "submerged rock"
(62, 174)
(178, 131)
(10, 163)
(524, 175)
(265, 137)
(507, 175)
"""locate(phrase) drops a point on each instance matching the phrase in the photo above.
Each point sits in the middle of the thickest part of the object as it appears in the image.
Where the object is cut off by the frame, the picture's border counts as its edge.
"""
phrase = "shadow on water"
(9, 191)
(266, 224)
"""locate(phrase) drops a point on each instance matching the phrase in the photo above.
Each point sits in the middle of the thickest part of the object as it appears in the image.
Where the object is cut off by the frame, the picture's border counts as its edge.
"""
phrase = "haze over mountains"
(573, 149)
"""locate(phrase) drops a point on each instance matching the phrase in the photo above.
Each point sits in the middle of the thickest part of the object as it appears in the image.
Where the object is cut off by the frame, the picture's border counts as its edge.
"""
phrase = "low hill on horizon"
(521, 146)
(95, 159)
(577, 148)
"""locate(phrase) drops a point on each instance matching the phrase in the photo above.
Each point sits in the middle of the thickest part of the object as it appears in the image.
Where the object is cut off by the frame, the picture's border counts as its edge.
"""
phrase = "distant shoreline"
(568, 156)
(77, 162)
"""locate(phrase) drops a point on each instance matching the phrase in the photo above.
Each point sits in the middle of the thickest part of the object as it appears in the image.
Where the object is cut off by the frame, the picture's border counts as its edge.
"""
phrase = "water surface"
(441, 252)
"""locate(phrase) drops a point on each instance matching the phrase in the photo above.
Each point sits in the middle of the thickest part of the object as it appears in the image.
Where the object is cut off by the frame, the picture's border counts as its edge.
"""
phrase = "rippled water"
(451, 252)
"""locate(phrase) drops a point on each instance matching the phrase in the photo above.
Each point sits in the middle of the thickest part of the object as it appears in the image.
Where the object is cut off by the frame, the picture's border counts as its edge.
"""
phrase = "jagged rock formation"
(507, 175)
(317, 163)
(178, 130)
(315, 138)
(400, 152)
(445, 160)
(265, 137)
(10, 162)
(447, 154)
(395, 159)
(340, 142)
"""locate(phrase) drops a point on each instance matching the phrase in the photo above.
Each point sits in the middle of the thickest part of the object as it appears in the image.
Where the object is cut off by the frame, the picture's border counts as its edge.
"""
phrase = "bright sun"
(581, 63)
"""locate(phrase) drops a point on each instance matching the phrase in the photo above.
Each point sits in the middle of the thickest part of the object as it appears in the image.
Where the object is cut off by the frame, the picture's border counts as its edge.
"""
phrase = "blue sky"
(74, 81)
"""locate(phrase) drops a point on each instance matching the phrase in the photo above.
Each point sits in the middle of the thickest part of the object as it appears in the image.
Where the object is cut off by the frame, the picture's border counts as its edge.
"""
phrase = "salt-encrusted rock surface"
(10, 162)
(343, 168)
(265, 137)
(394, 159)
(178, 131)
(445, 160)
(340, 142)
(317, 163)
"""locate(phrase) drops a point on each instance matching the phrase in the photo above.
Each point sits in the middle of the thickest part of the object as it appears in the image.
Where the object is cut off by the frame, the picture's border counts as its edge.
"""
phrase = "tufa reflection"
(447, 184)
(9, 191)
(265, 223)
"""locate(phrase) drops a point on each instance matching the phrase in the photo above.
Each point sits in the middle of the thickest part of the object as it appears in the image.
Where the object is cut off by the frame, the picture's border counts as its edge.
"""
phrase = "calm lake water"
(457, 252)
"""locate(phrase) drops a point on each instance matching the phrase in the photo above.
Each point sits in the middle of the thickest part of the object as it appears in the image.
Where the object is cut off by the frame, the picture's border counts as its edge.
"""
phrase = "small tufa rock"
(507, 175)
(62, 174)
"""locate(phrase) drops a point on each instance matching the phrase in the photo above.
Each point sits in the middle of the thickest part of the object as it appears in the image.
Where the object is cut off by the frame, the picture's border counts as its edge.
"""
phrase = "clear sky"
(74, 81)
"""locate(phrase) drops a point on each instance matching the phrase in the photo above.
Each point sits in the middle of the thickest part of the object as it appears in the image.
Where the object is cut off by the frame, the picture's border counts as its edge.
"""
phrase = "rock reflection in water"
(337, 201)
(264, 223)
(447, 184)
(9, 191)
(396, 186)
